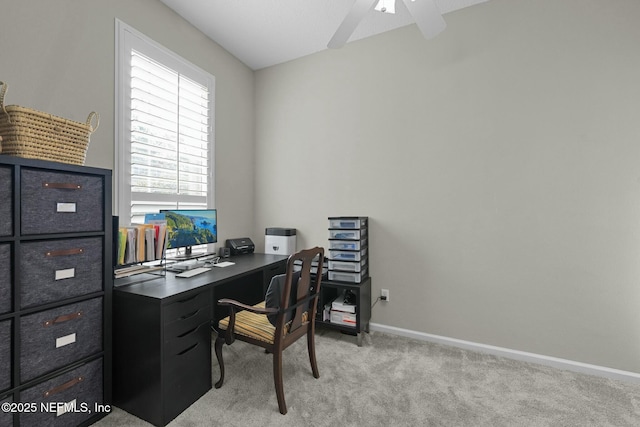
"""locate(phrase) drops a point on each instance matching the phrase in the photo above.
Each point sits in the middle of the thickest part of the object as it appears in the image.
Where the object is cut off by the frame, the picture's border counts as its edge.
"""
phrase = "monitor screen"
(190, 227)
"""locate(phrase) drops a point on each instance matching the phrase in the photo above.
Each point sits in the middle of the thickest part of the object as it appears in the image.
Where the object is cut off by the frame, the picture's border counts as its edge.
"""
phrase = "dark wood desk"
(162, 335)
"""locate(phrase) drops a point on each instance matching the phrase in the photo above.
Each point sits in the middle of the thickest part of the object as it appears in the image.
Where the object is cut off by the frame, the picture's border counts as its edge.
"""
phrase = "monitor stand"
(187, 255)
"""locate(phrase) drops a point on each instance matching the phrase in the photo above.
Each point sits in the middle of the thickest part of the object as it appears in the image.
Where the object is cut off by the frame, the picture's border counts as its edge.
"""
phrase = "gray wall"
(58, 56)
(498, 164)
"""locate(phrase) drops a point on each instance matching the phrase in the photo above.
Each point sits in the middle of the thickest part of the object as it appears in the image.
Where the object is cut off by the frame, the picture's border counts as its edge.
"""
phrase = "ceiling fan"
(425, 12)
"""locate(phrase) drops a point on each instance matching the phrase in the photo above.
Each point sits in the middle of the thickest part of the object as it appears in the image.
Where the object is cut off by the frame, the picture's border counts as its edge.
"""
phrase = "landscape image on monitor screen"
(189, 228)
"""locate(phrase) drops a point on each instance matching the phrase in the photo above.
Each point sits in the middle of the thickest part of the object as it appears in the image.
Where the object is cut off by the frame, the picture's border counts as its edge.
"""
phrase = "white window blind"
(166, 136)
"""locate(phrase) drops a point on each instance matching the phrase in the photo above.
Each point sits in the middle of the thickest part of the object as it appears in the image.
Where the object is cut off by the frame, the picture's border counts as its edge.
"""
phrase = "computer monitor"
(190, 227)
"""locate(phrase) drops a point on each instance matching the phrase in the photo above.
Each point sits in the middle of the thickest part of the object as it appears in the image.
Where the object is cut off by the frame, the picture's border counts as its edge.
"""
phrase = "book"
(160, 227)
(150, 243)
(130, 246)
(122, 244)
(139, 243)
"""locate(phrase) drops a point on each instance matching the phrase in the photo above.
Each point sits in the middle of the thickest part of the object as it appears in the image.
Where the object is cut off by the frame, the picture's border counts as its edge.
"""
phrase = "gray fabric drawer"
(51, 270)
(81, 386)
(54, 338)
(54, 202)
(5, 355)
(5, 278)
(6, 205)
(6, 418)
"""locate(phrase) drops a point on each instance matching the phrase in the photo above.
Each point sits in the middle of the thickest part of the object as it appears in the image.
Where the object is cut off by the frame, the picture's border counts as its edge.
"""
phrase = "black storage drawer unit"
(187, 352)
(66, 268)
(53, 338)
(55, 291)
(55, 202)
(6, 207)
(70, 398)
(187, 370)
(5, 355)
(5, 277)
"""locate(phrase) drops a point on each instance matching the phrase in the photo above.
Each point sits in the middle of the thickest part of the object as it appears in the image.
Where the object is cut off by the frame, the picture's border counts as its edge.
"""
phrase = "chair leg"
(277, 379)
(218, 347)
(311, 346)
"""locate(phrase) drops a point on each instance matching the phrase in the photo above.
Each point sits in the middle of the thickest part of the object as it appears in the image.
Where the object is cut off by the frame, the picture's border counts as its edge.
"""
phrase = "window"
(164, 124)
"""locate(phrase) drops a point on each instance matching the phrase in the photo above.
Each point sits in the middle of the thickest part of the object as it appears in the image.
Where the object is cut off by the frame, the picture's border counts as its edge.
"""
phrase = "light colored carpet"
(397, 381)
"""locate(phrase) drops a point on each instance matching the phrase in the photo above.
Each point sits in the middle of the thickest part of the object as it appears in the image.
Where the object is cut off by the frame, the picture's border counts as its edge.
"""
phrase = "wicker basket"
(36, 135)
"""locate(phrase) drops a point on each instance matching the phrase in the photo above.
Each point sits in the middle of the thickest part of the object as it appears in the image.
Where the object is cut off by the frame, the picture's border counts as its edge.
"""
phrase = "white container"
(280, 241)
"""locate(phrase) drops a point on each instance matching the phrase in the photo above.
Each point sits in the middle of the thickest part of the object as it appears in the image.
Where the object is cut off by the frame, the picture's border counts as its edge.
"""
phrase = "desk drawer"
(187, 373)
(65, 268)
(186, 306)
(5, 355)
(81, 387)
(53, 338)
(55, 202)
(182, 334)
(6, 204)
(6, 302)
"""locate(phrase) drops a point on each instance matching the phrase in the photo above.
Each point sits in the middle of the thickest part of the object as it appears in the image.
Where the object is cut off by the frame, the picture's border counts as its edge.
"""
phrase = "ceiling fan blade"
(427, 16)
(351, 21)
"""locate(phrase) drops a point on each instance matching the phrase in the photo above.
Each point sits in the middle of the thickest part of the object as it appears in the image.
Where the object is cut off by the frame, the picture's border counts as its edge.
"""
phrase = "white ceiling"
(262, 33)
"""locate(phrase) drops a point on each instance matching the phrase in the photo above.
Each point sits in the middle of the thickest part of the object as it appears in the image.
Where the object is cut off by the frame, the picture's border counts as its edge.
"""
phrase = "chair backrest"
(304, 293)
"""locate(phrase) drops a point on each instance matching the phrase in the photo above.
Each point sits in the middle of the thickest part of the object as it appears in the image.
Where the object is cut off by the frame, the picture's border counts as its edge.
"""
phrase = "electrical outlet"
(384, 294)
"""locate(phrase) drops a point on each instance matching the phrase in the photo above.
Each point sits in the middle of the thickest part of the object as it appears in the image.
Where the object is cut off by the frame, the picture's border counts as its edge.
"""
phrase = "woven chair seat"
(255, 325)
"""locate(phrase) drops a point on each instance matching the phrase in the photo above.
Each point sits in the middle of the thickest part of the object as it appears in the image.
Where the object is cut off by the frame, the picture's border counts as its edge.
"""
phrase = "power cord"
(212, 261)
(381, 298)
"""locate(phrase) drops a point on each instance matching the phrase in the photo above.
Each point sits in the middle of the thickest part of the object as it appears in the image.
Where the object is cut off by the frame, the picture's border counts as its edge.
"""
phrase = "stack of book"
(142, 242)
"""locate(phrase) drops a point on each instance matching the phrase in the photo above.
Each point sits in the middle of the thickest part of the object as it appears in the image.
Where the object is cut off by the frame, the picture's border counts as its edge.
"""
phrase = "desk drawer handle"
(188, 349)
(62, 185)
(63, 318)
(189, 299)
(63, 387)
(189, 332)
(187, 316)
(63, 252)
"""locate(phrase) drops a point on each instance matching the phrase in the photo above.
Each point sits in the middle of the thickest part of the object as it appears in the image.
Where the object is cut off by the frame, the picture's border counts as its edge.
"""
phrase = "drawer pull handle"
(182, 301)
(188, 332)
(62, 185)
(63, 387)
(187, 316)
(63, 252)
(62, 319)
(188, 349)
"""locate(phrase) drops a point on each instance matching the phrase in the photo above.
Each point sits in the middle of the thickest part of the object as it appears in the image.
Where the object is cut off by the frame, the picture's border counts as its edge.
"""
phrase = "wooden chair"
(294, 318)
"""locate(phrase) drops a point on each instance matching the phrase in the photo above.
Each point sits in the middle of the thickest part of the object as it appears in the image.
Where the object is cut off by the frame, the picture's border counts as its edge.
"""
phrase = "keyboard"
(193, 272)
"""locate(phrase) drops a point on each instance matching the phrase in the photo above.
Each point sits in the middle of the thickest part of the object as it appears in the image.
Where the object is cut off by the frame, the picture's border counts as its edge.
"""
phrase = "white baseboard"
(554, 362)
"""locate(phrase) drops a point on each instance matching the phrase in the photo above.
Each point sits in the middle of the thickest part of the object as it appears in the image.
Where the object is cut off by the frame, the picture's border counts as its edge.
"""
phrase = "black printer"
(240, 246)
